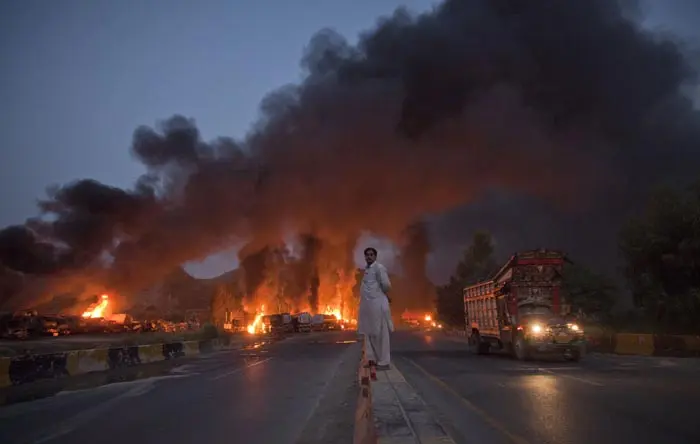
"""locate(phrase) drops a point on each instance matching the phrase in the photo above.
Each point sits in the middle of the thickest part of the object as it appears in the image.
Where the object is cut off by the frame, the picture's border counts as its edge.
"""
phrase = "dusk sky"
(78, 76)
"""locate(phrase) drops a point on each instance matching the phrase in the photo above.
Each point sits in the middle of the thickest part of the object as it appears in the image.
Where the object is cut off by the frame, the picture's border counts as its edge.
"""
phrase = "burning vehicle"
(331, 323)
(287, 323)
(257, 326)
(97, 309)
(302, 322)
(273, 324)
(30, 324)
(419, 321)
(317, 322)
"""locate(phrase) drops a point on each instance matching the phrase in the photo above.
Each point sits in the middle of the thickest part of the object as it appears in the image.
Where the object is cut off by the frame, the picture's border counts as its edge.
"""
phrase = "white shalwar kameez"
(375, 317)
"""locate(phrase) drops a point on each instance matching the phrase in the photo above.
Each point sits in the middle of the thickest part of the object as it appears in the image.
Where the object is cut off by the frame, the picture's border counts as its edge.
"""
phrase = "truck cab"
(302, 322)
(521, 309)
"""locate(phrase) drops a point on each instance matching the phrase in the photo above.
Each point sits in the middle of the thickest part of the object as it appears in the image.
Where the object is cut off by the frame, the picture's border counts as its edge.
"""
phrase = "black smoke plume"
(311, 246)
(253, 264)
(416, 292)
(542, 113)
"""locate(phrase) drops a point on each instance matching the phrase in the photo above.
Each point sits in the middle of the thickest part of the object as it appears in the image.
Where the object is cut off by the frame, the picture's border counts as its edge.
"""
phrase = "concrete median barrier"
(364, 432)
(677, 345)
(87, 361)
(191, 348)
(656, 345)
(151, 353)
(390, 411)
(634, 344)
(692, 344)
(637, 344)
(26, 369)
(43, 368)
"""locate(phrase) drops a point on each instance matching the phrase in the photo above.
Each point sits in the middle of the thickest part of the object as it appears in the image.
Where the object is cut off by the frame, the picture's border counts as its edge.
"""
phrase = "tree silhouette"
(477, 264)
(662, 254)
(588, 292)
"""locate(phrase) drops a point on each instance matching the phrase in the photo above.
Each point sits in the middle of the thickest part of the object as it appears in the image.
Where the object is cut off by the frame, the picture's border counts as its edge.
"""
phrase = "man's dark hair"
(372, 249)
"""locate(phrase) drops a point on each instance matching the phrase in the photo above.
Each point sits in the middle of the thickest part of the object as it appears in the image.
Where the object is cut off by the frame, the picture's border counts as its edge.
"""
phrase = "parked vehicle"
(317, 322)
(49, 325)
(521, 309)
(330, 323)
(302, 322)
(273, 324)
(14, 328)
(287, 323)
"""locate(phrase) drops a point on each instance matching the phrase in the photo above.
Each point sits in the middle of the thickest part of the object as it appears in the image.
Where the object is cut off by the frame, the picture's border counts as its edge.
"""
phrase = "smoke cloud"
(417, 292)
(523, 109)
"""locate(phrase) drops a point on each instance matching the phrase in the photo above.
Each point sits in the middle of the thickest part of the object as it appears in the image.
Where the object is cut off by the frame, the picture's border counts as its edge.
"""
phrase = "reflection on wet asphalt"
(602, 399)
(264, 392)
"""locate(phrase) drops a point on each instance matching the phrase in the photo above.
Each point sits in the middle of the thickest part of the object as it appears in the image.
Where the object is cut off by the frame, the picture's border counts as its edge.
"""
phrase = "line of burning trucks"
(99, 319)
(330, 321)
(96, 319)
(284, 323)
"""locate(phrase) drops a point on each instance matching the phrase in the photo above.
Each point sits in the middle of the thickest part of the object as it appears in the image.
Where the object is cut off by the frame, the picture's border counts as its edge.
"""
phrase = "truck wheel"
(576, 354)
(573, 357)
(521, 350)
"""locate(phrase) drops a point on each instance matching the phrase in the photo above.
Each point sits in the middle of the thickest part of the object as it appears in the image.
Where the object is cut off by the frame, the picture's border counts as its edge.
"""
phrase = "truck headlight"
(536, 329)
(574, 327)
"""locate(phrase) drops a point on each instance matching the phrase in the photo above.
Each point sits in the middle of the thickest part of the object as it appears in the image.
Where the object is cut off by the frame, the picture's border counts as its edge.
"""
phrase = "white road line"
(535, 369)
(141, 388)
(574, 378)
(239, 369)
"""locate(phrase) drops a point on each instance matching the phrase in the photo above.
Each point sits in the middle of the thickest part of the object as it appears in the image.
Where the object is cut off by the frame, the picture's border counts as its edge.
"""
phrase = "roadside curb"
(390, 411)
(364, 432)
(35, 376)
(400, 415)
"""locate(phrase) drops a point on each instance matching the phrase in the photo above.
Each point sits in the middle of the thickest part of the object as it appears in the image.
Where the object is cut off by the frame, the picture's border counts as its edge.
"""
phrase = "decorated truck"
(522, 310)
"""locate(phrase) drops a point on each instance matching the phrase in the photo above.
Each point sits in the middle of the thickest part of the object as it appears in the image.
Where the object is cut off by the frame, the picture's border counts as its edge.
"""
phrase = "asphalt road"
(602, 399)
(300, 389)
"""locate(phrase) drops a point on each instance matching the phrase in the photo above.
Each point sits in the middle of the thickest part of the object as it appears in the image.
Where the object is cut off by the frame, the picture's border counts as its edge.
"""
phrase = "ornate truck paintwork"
(520, 308)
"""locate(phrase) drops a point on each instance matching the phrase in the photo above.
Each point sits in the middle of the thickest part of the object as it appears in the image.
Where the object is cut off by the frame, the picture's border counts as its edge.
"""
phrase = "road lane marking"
(560, 368)
(574, 378)
(239, 369)
(75, 422)
(488, 419)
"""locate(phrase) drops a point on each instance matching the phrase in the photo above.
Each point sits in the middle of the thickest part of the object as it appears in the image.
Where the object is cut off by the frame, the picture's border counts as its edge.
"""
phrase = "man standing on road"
(375, 317)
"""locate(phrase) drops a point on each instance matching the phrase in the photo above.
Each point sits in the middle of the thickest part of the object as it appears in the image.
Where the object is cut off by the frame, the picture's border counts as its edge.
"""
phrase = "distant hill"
(186, 291)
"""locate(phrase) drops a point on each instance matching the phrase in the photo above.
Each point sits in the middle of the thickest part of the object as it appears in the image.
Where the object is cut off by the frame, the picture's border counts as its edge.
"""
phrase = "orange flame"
(428, 318)
(256, 325)
(335, 312)
(97, 310)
